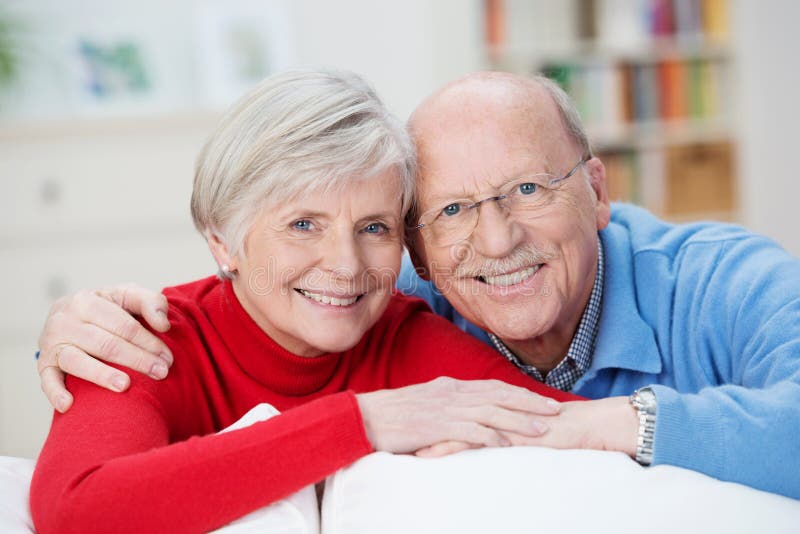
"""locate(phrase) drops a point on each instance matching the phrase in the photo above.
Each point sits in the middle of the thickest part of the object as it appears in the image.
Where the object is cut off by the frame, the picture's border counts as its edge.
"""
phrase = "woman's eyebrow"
(300, 212)
(380, 215)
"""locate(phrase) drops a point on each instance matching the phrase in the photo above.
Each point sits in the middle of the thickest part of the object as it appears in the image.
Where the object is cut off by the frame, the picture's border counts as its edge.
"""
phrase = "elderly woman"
(301, 195)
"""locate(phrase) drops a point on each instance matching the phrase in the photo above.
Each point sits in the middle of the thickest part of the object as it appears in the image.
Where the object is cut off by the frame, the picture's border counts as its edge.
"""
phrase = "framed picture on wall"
(239, 43)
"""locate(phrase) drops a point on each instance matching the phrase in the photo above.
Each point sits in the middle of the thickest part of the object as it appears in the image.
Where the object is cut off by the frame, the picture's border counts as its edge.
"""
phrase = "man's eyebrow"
(439, 199)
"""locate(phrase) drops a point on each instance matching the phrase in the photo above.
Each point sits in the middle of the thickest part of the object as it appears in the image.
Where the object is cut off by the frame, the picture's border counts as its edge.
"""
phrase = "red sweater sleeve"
(427, 346)
(108, 466)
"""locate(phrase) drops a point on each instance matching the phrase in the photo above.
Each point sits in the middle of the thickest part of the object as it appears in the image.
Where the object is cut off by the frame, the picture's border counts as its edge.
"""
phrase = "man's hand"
(478, 413)
(607, 424)
(96, 324)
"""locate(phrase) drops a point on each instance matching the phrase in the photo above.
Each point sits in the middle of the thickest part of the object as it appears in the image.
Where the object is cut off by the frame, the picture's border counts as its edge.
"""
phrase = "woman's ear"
(218, 248)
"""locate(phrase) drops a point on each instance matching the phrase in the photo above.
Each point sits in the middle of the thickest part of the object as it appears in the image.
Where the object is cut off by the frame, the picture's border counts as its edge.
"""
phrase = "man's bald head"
(530, 103)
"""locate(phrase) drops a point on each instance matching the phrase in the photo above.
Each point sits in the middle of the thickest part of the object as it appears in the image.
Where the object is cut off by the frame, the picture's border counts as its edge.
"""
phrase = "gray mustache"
(521, 257)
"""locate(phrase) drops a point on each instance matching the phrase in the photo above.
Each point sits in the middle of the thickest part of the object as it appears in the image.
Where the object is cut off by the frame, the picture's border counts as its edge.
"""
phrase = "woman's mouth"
(341, 301)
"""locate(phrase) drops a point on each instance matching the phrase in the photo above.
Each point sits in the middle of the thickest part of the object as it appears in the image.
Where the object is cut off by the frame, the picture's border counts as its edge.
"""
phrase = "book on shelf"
(495, 26)
(633, 22)
(609, 24)
(610, 95)
(650, 81)
(673, 181)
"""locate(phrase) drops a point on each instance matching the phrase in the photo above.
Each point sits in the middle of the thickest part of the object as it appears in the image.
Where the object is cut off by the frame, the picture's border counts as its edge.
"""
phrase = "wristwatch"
(644, 400)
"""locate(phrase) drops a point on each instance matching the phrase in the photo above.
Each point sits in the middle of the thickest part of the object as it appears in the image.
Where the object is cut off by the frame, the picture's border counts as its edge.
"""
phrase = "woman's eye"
(451, 209)
(302, 224)
(376, 228)
(527, 188)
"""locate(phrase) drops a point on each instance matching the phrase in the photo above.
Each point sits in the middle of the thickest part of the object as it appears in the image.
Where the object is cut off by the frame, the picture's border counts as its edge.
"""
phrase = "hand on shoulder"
(88, 327)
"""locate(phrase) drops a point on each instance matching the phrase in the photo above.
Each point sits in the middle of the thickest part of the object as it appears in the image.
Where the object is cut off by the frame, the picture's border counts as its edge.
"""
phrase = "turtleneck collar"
(258, 355)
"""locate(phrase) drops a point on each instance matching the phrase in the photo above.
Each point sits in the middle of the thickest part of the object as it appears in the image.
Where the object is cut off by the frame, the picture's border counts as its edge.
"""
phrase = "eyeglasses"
(523, 198)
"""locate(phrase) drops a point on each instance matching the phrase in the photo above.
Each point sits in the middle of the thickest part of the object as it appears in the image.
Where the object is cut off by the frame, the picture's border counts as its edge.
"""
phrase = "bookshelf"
(652, 80)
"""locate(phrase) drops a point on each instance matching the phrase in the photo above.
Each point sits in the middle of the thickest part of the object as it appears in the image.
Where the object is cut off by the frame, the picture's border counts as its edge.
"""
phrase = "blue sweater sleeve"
(736, 336)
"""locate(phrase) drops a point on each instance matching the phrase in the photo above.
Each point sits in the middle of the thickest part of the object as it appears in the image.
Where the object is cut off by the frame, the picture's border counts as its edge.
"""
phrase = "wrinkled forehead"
(338, 191)
(479, 161)
(487, 143)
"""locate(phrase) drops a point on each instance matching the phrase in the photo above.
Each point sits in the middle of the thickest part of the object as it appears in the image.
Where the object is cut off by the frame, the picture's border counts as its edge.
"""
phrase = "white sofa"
(510, 490)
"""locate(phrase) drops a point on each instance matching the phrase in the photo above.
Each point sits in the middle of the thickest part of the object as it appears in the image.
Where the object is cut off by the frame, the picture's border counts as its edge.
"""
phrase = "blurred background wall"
(104, 105)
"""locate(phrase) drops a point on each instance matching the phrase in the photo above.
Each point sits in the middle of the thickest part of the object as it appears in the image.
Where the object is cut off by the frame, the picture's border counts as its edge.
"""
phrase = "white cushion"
(296, 514)
(15, 482)
(528, 489)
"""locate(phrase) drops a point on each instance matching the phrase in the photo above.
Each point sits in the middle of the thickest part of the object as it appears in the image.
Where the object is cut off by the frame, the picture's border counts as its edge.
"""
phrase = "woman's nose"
(342, 257)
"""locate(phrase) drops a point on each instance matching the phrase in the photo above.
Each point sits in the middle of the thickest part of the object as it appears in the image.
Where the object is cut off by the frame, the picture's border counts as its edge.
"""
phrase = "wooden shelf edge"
(37, 129)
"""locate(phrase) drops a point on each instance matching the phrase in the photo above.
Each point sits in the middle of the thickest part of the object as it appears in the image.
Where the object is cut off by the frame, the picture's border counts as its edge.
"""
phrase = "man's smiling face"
(517, 276)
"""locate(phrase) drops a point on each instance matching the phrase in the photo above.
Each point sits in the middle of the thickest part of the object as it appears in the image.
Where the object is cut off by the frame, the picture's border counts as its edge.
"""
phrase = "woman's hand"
(609, 424)
(98, 324)
(476, 413)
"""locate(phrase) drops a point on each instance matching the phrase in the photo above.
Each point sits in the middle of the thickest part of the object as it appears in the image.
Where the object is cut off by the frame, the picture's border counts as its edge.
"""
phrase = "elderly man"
(514, 240)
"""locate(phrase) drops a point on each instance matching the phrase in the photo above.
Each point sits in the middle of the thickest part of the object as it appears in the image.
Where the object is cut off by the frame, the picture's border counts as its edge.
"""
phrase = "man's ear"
(219, 250)
(597, 181)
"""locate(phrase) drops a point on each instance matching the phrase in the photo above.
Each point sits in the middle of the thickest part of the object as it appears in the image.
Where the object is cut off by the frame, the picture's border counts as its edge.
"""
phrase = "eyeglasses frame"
(477, 203)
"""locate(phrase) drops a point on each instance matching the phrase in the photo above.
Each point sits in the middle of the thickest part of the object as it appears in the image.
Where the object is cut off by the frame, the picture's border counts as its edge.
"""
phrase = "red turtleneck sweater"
(150, 460)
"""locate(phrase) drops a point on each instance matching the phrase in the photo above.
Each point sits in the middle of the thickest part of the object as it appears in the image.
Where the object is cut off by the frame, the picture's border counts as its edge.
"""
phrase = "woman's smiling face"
(318, 271)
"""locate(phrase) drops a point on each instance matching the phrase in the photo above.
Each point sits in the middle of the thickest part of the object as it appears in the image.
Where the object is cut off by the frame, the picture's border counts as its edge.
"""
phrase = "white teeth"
(325, 299)
(512, 278)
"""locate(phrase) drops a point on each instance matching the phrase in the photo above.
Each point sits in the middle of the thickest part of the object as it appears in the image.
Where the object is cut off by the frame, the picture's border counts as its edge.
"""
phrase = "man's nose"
(496, 234)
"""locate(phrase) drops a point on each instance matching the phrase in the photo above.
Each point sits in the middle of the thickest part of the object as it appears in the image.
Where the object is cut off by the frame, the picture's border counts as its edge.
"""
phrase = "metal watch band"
(644, 400)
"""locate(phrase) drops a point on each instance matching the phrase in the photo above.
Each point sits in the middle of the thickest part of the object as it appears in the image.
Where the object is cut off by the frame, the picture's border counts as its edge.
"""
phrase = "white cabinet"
(25, 413)
(34, 277)
(85, 204)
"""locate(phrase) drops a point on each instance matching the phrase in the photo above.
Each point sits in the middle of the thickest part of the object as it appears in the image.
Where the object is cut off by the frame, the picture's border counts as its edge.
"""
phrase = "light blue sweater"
(709, 314)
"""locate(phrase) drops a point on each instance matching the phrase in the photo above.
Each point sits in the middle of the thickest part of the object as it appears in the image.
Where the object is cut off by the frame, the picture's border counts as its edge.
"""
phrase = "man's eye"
(527, 188)
(376, 228)
(451, 209)
(302, 224)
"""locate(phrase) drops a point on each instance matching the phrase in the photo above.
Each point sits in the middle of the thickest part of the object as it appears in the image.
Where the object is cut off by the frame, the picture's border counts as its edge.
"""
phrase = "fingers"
(151, 305)
(522, 440)
(444, 448)
(511, 397)
(52, 379)
(478, 434)
(72, 360)
(411, 418)
(506, 420)
(103, 329)
(114, 349)
(91, 325)
(109, 316)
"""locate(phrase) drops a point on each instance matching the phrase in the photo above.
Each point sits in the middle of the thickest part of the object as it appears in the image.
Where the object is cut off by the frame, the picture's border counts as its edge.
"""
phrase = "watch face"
(646, 397)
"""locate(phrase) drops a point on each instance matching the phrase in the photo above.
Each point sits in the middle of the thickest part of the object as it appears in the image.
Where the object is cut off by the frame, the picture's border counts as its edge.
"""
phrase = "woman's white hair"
(296, 132)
